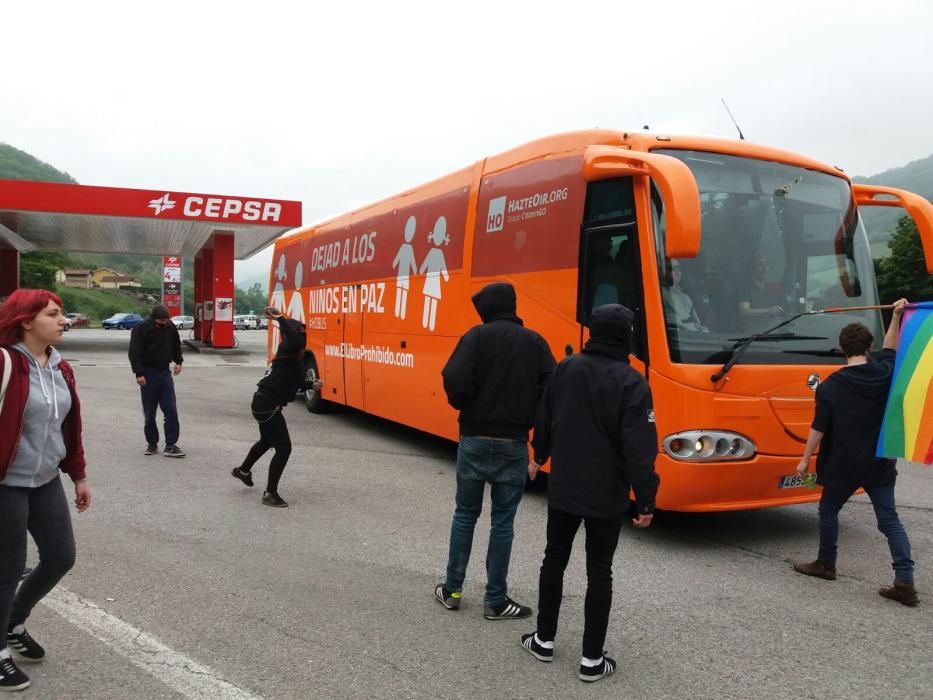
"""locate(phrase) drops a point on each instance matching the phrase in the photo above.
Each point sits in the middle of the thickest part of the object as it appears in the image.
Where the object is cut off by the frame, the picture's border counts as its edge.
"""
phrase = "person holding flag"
(850, 406)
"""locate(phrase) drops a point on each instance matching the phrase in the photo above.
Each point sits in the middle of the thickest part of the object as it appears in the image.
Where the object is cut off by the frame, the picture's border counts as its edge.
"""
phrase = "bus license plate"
(793, 481)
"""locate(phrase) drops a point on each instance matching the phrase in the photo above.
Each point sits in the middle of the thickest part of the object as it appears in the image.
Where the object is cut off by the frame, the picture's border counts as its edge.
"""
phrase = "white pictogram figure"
(435, 265)
(405, 263)
(296, 305)
(277, 298)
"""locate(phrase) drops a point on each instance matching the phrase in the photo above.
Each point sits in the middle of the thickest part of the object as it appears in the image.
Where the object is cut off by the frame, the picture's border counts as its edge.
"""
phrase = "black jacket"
(285, 376)
(596, 423)
(849, 410)
(498, 370)
(153, 347)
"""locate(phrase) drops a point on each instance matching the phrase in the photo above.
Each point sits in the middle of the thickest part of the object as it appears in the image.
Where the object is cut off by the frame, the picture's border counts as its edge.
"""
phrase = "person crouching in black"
(282, 381)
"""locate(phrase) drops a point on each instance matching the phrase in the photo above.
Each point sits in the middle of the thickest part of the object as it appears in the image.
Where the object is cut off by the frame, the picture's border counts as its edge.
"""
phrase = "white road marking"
(179, 672)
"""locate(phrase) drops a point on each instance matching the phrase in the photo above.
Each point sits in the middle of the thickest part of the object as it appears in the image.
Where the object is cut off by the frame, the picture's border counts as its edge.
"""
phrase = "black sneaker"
(274, 500)
(151, 450)
(590, 674)
(25, 647)
(509, 610)
(449, 600)
(173, 451)
(243, 476)
(11, 678)
(536, 650)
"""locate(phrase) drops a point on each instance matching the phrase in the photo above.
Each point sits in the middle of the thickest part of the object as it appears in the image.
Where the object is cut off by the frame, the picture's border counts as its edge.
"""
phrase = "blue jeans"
(504, 465)
(160, 392)
(882, 500)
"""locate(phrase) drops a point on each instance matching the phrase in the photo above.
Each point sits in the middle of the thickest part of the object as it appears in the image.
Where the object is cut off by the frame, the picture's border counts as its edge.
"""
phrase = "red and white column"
(207, 293)
(198, 296)
(223, 289)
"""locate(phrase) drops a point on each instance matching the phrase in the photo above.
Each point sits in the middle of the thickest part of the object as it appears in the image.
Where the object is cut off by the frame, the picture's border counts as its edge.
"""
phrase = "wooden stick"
(834, 309)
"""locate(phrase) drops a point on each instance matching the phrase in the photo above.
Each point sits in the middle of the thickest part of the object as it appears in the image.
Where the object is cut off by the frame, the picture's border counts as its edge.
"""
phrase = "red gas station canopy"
(211, 229)
(81, 218)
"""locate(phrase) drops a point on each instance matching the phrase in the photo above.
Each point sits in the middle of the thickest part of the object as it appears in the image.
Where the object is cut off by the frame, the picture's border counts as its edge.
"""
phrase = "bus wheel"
(314, 402)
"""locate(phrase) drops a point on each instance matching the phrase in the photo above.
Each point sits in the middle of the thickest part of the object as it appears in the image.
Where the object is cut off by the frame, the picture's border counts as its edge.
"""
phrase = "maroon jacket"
(14, 407)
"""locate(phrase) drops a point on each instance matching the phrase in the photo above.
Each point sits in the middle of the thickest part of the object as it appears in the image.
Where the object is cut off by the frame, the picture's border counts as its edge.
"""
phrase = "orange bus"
(711, 242)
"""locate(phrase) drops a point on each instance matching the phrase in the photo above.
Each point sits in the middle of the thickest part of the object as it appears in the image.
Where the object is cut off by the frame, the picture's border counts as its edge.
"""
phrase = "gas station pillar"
(207, 293)
(9, 271)
(223, 289)
(198, 297)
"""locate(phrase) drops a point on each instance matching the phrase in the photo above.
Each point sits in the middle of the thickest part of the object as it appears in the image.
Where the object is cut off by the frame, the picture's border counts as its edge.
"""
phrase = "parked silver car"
(183, 322)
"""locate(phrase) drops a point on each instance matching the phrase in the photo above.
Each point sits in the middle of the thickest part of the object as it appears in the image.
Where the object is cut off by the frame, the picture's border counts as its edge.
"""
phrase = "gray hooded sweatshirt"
(41, 443)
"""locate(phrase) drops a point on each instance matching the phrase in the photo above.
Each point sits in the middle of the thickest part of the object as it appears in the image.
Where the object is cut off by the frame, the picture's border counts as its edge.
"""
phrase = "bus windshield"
(777, 240)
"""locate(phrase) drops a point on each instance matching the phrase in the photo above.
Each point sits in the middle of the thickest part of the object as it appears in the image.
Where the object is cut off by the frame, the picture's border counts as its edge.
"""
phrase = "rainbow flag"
(907, 430)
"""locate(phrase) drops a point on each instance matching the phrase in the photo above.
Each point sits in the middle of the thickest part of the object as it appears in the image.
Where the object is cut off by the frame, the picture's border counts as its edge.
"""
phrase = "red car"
(76, 321)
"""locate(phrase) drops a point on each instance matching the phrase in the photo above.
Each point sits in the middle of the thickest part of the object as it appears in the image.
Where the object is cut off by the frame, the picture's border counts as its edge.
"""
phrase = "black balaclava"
(611, 331)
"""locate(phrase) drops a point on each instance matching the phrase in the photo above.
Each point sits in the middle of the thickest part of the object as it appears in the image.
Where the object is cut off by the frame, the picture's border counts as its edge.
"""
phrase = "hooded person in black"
(596, 424)
(282, 381)
(154, 345)
(494, 377)
(847, 422)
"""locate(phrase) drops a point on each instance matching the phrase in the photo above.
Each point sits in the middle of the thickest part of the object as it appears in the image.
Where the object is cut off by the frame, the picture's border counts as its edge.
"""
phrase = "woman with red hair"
(40, 434)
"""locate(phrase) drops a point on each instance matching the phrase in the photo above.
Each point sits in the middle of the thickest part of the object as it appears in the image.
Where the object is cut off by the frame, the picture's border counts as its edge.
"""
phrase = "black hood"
(611, 331)
(496, 302)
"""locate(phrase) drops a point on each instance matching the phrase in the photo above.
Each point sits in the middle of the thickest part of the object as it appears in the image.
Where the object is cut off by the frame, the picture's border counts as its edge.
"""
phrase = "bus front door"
(610, 263)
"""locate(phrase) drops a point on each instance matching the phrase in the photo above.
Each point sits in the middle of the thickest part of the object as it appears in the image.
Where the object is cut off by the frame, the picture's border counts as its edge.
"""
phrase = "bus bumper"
(721, 486)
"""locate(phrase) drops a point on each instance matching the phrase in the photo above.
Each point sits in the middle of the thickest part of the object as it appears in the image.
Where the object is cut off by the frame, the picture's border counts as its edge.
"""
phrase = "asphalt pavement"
(186, 586)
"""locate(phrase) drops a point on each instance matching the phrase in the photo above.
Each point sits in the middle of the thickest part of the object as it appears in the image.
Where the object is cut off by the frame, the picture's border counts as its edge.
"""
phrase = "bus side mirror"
(674, 179)
(919, 209)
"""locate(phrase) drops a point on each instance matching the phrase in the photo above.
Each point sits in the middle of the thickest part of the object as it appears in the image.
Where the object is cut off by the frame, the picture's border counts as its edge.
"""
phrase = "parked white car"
(248, 322)
(183, 322)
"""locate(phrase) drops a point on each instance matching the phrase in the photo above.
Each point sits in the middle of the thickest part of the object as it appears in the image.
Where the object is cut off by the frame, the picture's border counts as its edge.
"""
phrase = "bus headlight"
(708, 446)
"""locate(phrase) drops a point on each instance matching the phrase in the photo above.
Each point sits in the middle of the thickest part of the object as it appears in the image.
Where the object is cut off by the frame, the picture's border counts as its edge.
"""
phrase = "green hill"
(19, 165)
(916, 176)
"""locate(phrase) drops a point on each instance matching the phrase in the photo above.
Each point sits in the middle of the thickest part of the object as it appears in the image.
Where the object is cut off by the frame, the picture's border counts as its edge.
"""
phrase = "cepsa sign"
(58, 198)
(198, 206)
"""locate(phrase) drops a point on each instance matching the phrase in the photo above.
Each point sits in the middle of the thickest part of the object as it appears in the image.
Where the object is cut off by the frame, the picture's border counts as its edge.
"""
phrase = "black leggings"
(273, 433)
(43, 512)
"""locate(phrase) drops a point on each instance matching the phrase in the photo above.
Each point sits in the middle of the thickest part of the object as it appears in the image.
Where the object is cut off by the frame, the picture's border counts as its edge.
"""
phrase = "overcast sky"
(341, 105)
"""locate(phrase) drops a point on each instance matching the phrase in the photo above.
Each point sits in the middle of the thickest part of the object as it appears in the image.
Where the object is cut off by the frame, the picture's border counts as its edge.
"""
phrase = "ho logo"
(495, 219)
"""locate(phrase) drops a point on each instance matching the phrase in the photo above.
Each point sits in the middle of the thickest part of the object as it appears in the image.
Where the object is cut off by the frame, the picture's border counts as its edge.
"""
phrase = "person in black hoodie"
(847, 422)
(154, 344)
(494, 377)
(282, 381)
(596, 424)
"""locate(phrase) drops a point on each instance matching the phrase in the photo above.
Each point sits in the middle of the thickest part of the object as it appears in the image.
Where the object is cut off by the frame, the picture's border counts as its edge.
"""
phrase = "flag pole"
(837, 309)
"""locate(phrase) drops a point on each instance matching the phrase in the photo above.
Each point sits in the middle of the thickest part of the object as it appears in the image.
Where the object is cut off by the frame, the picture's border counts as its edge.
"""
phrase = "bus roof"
(566, 144)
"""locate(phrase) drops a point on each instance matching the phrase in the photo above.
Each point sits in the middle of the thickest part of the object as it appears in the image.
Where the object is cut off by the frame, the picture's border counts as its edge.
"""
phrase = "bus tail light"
(708, 446)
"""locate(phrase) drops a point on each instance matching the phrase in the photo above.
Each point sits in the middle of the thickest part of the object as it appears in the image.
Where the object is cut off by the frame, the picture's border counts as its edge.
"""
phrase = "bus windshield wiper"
(816, 352)
(743, 344)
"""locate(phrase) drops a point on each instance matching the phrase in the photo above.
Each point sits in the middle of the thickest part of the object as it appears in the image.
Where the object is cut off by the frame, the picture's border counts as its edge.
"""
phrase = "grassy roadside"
(99, 304)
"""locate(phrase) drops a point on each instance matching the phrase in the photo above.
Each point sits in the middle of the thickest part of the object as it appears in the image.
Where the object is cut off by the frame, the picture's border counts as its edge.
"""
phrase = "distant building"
(106, 278)
(71, 277)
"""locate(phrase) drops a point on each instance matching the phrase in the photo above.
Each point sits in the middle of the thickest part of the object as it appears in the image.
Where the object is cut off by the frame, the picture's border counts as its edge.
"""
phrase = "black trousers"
(43, 513)
(602, 537)
(273, 433)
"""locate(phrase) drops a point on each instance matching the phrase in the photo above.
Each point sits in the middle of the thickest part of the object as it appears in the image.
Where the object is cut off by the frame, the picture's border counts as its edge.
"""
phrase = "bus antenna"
(741, 135)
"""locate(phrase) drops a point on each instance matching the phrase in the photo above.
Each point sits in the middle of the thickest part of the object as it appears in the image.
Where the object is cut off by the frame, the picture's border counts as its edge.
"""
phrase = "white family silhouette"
(434, 264)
